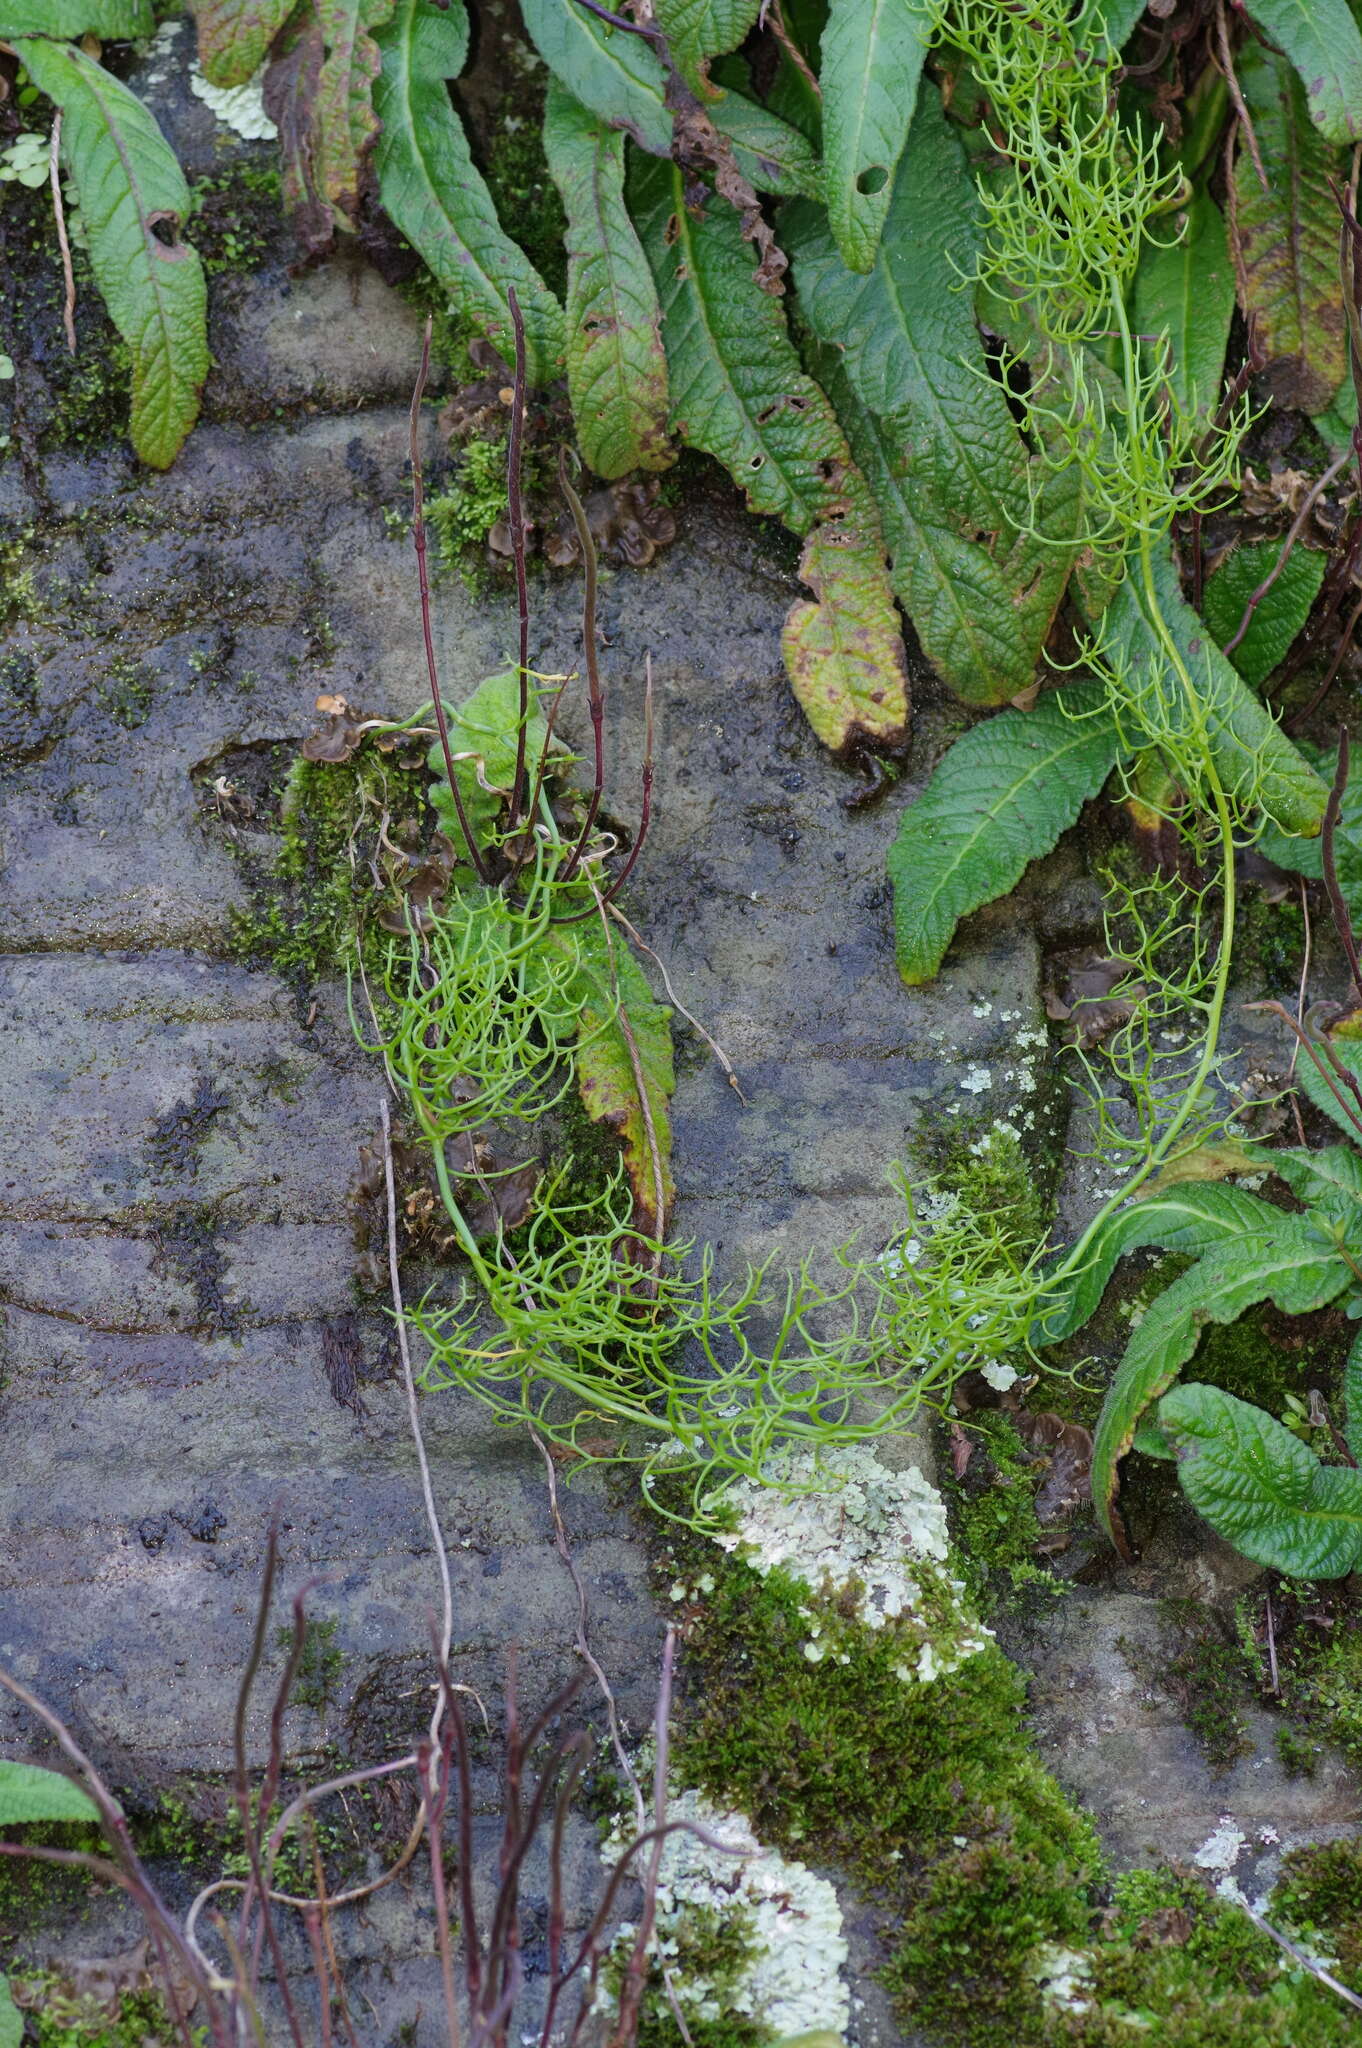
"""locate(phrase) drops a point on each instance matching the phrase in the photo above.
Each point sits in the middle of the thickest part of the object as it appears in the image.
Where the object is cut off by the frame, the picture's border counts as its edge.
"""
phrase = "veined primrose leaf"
(1252, 754)
(1277, 619)
(1285, 240)
(28, 1793)
(434, 194)
(1327, 1181)
(153, 285)
(482, 739)
(1188, 1217)
(1352, 1398)
(1306, 856)
(999, 798)
(1261, 1488)
(1286, 1264)
(234, 36)
(617, 371)
(905, 367)
(1186, 290)
(113, 20)
(872, 57)
(739, 393)
(1322, 40)
(1109, 22)
(622, 80)
(697, 30)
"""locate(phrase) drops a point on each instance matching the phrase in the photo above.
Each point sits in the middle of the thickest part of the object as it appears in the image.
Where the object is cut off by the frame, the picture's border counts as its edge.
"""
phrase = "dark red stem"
(515, 457)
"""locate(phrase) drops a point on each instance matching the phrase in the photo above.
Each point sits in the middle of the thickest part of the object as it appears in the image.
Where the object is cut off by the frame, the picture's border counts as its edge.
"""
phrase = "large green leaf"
(617, 371)
(1106, 21)
(623, 81)
(130, 188)
(1280, 615)
(1322, 40)
(1002, 796)
(1252, 755)
(1261, 1488)
(234, 36)
(114, 20)
(28, 1793)
(872, 57)
(1306, 856)
(482, 739)
(1188, 1217)
(434, 194)
(1352, 1398)
(1185, 289)
(1328, 1181)
(697, 30)
(739, 393)
(931, 428)
(1285, 1264)
(1285, 239)
(11, 2019)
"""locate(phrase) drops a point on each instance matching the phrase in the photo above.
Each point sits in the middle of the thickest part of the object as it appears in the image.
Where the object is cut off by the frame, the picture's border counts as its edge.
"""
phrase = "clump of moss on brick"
(309, 900)
(994, 1516)
(1320, 1893)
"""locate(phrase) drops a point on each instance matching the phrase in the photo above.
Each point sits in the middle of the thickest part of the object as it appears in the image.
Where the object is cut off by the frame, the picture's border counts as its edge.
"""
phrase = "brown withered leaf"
(1285, 240)
(1067, 1450)
(319, 94)
(503, 1203)
(1078, 992)
(844, 651)
(625, 521)
(338, 736)
(699, 149)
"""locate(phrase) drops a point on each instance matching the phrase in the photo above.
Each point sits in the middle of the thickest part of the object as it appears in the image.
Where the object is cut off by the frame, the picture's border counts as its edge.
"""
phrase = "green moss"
(994, 1177)
(57, 2019)
(1269, 940)
(994, 1515)
(1207, 1674)
(1320, 1895)
(234, 218)
(309, 901)
(526, 198)
(929, 1794)
(463, 514)
(321, 1664)
(1318, 1639)
(32, 1891)
(708, 1952)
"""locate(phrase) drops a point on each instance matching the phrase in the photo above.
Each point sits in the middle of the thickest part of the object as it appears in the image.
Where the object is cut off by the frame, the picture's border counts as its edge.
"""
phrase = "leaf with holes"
(872, 58)
(1185, 289)
(1323, 42)
(132, 199)
(624, 1061)
(234, 36)
(1251, 752)
(1187, 1218)
(697, 30)
(1285, 1264)
(1277, 619)
(903, 363)
(617, 371)
(1285, 239)
(738, 392)
(1261, 1488)
(28, 1793)
(999, 799)
(432, 192)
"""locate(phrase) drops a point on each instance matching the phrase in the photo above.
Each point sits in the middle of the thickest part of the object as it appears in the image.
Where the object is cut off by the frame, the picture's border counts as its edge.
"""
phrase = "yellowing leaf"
(844, 651)
(624, 1063)
(234, 36)
(1285, 240)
